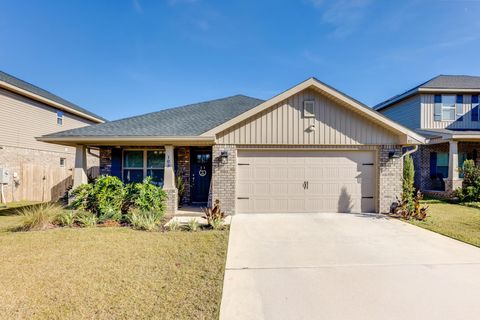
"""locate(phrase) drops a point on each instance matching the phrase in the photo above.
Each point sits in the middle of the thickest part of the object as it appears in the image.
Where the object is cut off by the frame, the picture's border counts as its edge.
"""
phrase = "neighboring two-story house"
(445, 111)
(36, 170)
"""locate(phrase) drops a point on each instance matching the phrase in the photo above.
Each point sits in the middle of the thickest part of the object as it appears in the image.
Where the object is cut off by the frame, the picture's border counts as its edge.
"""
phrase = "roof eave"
(49, 102)
(129, 140)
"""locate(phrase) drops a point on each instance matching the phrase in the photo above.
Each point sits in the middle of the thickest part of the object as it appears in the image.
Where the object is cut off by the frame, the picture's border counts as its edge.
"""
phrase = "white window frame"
(59, 118)
(306, 105)
(450, 107)
(145, 161)
(64, 164)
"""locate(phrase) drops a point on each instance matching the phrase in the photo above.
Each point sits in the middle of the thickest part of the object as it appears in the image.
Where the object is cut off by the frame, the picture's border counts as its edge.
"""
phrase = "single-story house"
(310, 148)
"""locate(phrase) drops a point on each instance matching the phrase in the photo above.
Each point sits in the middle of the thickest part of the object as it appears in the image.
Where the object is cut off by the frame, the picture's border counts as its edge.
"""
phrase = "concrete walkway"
(346, 266)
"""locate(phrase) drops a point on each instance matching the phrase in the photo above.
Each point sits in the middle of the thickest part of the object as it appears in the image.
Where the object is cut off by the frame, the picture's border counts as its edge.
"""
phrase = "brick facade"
(224, 177)
(390, 176)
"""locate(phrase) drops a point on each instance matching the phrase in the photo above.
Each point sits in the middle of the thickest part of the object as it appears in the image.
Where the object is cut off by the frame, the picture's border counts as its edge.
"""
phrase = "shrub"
(86, 219)
(215, 216)
(145, 196)
(143, 220)
(39, 217)
(408, 190)
(104, 196)
(83, 198)
(109, 194)
(470, 190)
(66, 218)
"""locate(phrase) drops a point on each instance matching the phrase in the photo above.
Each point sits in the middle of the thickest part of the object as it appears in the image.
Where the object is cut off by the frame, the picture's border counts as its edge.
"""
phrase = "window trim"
(64, 160)
(306, 112)
(145, 163)
(450, 107)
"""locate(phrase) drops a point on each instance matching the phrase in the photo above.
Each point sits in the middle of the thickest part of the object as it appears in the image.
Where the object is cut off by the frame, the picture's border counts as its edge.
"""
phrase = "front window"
(448, 107)
(139, 164)
(439, 164)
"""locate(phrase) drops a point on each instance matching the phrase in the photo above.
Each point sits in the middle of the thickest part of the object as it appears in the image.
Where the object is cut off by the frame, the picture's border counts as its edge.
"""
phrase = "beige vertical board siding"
(406, 112)
(284, 124)
(427, 117)
(24, 119)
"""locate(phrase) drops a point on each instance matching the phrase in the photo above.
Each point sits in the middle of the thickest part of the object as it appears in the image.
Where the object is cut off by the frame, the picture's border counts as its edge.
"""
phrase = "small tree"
(408, 191)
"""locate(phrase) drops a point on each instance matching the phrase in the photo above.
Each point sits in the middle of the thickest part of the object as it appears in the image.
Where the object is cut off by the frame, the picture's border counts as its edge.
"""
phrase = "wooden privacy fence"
(42, 183)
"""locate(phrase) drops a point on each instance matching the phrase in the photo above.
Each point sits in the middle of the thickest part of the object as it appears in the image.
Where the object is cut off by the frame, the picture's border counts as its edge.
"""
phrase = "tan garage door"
(305, 181)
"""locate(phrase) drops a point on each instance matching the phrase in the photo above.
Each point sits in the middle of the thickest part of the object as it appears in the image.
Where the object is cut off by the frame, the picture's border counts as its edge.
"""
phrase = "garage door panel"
(338, 181)
(261, 173)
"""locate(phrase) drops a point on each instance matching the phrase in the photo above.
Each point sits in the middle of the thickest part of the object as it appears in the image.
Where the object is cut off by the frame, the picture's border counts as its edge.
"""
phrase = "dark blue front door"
(201, 172)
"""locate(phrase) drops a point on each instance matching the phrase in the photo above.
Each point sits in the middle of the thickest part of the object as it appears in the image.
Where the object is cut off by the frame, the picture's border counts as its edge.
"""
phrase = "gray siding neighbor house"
(36, 170)
(310, 148)
(445, 111)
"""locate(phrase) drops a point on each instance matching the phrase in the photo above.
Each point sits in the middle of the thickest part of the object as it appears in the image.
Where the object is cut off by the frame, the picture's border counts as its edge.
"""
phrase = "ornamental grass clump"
(144, 220)
(39, 217)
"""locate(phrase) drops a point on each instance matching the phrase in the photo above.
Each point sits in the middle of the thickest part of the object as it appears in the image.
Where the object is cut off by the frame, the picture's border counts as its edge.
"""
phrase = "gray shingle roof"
(189, 120)
(439, 82)
(452, 82)
(43, 93)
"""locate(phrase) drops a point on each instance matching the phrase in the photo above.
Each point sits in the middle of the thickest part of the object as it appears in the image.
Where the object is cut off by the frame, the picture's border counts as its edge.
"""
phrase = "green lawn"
(110, 273)
(453, 220)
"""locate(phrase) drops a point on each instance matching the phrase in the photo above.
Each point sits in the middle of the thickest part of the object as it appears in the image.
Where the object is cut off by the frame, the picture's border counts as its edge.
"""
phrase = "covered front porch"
(183, 171)
(438, 165)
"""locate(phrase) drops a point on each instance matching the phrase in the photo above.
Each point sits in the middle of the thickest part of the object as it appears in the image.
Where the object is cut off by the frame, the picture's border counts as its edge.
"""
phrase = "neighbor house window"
(59, 118)
(475, 107)
(63, 162)
(448, 107)
(309, 109)
(139, 164)
(439, 164)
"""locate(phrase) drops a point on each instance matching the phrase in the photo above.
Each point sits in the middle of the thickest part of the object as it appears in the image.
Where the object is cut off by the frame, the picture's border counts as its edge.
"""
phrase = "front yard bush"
(470, 190)
(145, 196)
(108, 201)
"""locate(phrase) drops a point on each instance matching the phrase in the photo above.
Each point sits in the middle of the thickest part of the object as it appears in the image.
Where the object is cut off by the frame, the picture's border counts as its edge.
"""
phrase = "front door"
(201, 175)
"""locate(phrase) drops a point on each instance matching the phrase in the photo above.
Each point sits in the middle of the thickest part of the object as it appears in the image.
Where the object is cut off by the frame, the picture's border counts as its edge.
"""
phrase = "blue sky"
(127, 57)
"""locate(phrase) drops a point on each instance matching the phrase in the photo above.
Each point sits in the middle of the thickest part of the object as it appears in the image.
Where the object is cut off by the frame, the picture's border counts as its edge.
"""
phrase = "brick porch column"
(453, 181)
(169, 181)
(80, 170)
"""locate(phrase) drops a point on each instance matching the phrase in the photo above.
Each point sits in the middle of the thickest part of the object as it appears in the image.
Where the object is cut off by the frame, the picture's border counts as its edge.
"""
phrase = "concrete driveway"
(346, 266)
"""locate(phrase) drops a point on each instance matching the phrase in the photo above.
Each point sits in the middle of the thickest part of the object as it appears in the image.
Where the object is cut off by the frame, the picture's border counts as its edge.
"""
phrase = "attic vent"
(308, 109)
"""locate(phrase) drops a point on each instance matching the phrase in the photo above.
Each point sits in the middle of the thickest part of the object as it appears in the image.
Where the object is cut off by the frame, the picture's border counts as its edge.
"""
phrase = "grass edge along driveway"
(456, 221)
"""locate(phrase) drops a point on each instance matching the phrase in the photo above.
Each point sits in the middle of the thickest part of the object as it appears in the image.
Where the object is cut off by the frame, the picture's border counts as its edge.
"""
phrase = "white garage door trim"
(289, 180)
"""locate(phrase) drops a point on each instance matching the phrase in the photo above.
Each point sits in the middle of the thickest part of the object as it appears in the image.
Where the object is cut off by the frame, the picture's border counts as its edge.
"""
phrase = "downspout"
(415, 148)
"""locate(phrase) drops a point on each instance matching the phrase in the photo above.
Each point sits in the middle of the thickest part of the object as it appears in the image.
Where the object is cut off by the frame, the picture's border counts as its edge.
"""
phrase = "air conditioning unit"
(4, 176)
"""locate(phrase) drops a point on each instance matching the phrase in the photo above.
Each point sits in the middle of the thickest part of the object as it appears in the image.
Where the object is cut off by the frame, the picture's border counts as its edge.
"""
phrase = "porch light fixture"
(393, 155)
(223, 156)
